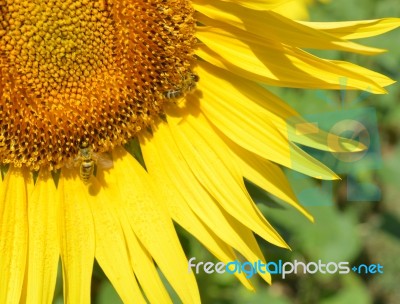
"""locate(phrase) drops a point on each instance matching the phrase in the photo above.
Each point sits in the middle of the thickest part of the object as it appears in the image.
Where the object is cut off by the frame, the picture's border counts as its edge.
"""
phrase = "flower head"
(181, 79)
(86, 71)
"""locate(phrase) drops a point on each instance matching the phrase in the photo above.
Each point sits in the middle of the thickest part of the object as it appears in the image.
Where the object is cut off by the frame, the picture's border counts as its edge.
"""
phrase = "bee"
(86, 167)
(187, 84)
(87, 160)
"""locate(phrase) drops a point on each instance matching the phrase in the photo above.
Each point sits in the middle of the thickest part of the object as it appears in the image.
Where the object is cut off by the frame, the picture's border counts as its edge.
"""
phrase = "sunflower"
(120, 118)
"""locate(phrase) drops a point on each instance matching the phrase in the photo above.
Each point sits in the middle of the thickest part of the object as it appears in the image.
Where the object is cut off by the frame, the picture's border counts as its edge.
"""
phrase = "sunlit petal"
(109, 234)
(44, 247)
(77, 238)
(123, 119)
(356, 29)
(152, 225)
(13, 235)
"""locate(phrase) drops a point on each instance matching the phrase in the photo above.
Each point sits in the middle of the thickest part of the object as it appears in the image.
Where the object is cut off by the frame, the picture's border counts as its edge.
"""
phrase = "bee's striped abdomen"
(171, 94)
(86, 170)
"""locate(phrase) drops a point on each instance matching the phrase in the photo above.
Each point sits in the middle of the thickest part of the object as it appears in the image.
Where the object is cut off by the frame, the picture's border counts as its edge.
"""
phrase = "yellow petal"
(273, 113)
(141, 261)
(77, 240)
(280, 65)
(111, 251)
(309, 134)
(255, 4)
(30, 185)
(356, 29)
(44, 247)
(274, 27)
(247, 237)
(180, 210)
(294, 9)
(199, 200)
(143, 265)
(149, 219)
(266, 175)
(13, 235)
(248, 129)
(211, 162)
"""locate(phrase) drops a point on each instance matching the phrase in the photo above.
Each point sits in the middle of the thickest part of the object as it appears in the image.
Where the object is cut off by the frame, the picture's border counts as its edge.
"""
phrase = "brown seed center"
(93, 71)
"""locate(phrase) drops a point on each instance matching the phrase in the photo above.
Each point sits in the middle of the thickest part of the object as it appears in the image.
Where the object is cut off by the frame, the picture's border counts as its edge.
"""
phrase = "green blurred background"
(357, 232)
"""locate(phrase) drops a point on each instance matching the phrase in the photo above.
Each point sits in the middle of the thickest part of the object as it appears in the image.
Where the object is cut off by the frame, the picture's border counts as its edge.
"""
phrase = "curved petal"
(149, 219)
(273, 27)
(212, 164)
(108, 234)
(356, 29)
(200, 201)
(180, 210)
(294, 9)
(281, 65)
(256, 4)
(249, 130)
(266, 175)
(272, 113)
(141, 262)
(143, 265)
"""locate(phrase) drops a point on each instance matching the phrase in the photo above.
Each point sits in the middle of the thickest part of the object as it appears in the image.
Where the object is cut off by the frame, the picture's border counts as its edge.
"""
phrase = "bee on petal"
(87, 160)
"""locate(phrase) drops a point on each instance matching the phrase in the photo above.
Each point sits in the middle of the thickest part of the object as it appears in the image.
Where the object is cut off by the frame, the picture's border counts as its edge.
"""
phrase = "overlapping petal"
(356, 29)
(149, 219)
(256, 4)
(249, 130)
(274, 28)
(272, 113)
(141, 262)
(266, 175)
(143, 265)
(281, 65)
(179, 208)
(109, 234)
(212, 164)
(199, 200)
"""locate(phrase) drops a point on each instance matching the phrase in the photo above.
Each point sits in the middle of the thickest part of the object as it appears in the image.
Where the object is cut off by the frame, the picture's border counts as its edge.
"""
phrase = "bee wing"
(103, 160)
(74, 162)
